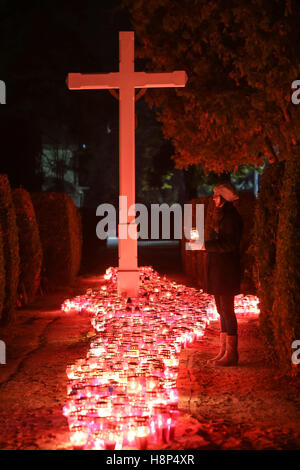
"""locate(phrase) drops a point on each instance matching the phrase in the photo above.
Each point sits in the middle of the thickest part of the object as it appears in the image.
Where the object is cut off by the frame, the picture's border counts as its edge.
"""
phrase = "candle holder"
(123, 394)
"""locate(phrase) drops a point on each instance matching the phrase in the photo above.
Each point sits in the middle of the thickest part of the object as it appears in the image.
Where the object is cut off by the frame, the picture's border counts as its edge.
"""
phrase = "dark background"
(40, 43)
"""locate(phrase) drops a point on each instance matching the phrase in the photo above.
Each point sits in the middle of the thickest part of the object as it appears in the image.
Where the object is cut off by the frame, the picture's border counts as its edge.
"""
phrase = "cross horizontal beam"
(101, 81)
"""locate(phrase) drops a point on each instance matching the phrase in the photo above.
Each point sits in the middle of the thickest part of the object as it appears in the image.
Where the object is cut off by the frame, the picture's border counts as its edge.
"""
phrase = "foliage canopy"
(241, 59)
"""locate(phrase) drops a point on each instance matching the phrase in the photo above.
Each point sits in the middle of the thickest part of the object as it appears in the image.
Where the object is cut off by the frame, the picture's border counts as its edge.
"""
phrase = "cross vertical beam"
(126, 80)
(128, 274)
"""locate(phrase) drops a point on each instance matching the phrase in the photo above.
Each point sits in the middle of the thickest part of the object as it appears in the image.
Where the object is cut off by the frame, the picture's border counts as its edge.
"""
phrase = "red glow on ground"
(123, 394)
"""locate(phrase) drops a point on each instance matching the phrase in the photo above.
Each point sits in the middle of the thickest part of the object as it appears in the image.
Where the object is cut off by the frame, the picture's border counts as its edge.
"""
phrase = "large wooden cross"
(126, 80)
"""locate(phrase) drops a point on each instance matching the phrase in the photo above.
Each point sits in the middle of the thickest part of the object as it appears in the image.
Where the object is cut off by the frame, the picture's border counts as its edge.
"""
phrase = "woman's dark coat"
(223, 270)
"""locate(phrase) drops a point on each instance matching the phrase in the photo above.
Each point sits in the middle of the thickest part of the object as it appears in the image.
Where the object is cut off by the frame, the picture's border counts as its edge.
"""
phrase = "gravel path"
(245, 407)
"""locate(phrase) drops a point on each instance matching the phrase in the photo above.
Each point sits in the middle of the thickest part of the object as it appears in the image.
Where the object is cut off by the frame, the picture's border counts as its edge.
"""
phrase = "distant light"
(83, 146)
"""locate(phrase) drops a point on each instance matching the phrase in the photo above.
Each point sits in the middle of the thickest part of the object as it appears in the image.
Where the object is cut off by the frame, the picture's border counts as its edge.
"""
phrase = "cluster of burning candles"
(123, 394)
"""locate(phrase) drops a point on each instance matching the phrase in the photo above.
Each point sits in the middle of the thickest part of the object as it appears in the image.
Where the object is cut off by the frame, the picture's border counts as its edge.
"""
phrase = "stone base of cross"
(126, 80)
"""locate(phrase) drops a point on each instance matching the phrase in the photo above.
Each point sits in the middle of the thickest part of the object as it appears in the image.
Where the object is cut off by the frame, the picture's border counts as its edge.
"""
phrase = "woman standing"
(223, 270)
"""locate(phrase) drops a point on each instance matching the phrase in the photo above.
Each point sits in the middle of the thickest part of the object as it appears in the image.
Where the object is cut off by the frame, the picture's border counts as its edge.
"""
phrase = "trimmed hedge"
(264, 243)
(10, 249)
(60, 232)
(29, 245)
(286, 304)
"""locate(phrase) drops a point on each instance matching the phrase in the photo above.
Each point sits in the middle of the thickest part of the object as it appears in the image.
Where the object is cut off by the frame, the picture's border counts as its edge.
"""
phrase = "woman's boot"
(222, 348)
(230, 357)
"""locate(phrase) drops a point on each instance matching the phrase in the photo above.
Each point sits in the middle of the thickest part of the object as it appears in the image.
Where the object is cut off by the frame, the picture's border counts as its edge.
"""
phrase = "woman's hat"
(227, 191)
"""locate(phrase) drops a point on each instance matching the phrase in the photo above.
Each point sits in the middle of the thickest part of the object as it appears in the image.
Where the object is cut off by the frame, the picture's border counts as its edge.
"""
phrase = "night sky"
(41, 42)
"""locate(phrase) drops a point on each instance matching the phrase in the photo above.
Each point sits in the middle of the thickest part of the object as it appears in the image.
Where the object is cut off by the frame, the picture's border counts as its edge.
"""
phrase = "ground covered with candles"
(105, 372)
